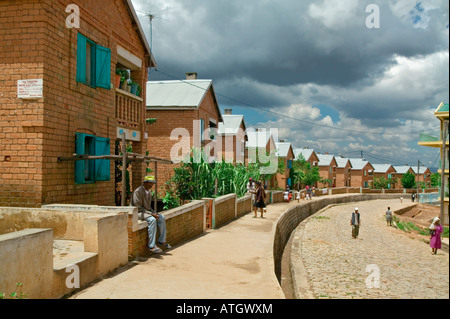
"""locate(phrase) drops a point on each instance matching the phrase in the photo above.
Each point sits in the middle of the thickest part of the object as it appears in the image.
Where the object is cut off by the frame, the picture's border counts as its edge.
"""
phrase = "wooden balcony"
(129, 110)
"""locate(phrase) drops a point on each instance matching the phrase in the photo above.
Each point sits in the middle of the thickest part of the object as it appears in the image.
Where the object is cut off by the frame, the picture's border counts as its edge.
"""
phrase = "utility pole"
(444, 152)
(418, 176)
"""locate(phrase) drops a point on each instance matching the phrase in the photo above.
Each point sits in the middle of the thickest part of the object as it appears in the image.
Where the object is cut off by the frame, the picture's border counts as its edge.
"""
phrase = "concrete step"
(69, 252)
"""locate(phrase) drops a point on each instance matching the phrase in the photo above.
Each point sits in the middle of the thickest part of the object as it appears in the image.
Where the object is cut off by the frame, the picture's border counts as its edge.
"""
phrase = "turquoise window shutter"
(102, 167)
(103, 67)
(81, 58)
(80, 139)
(202, 128)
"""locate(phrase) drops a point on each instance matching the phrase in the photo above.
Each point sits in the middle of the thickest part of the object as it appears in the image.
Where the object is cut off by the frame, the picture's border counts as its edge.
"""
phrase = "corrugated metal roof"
(306, 152)
(230, 124)
(176, 94)
(358, 163)
(341, 161)
(422, 169)
(381, 168)
(402, 169)
(282, 149)
(325, 159)
(258, 139)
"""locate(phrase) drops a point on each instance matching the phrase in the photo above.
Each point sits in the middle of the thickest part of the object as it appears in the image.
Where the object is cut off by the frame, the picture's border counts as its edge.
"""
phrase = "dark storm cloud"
(293, 57)
(279, 42)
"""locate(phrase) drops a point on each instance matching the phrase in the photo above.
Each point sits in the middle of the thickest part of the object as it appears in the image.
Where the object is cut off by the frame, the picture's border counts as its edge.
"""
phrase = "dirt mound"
(421, 215)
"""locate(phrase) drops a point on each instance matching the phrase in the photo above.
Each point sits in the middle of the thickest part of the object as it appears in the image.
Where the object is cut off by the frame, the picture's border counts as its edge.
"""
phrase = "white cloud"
(334, 14)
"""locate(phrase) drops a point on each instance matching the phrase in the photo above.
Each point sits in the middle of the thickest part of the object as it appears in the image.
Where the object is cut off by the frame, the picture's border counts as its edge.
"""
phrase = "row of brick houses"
(356, 172)
(74, 90)
(67, 106)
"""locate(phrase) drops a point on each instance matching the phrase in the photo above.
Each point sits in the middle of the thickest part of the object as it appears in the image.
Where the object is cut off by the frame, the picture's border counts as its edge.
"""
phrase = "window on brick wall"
(289, 164)
(93, 63)
(91, 171)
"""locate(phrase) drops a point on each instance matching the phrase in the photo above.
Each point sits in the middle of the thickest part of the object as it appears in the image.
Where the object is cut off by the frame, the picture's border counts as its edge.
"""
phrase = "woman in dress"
(260, 198)
(436, 231)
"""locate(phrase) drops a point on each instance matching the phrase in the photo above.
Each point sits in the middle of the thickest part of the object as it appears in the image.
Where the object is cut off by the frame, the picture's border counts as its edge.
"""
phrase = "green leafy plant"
(303, 174)
(195, 178)
(409, 180)
(15, 294)
(382, 182)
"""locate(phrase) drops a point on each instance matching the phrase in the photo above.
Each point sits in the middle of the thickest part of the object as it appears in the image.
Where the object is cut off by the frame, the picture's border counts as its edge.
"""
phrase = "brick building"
(57, 98)
(362, 173)
(343, 172)
(400, 171)
(233, 133)
(386, 171)
(285, 153)
(327, 170)
(308, 154)
(187, 115)
(261, 148)
(423, 175)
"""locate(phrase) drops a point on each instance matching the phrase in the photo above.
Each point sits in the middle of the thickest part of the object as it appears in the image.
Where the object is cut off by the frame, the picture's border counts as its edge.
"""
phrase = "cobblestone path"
(338, 266)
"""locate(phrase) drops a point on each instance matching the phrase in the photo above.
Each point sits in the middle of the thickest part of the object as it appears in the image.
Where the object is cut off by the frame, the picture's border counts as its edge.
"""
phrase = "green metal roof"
(443, 108)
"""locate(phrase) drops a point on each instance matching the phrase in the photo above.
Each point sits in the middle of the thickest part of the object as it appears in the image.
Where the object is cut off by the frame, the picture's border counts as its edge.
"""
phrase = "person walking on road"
(436, 230)
(308, 192)
(260, 198)
(389, 217)
(355, 222)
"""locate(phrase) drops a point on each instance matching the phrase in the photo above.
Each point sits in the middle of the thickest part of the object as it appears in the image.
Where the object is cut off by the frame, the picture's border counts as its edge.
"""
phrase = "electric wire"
(244, 104)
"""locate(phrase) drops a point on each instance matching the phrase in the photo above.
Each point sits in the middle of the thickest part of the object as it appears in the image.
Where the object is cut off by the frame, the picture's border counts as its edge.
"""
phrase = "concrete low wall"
(27, 248)
(244, 205)
(182, 224)
(185, 223)
(26, 257)
(225, 210)
(290, 220)
(277, 197)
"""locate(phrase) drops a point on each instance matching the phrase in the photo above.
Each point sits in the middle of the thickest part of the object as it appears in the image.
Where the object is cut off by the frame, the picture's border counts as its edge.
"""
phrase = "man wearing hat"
(142, 199)
(355, 222)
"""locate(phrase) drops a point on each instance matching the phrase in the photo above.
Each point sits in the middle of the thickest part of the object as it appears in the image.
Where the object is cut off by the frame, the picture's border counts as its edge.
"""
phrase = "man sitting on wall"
(142, 199)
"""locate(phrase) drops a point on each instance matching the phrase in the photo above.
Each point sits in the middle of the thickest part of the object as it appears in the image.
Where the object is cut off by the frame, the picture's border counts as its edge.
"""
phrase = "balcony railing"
(129, 110)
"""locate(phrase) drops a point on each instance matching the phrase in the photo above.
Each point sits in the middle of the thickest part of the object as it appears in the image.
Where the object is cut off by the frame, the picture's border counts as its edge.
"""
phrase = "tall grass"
(196, 178)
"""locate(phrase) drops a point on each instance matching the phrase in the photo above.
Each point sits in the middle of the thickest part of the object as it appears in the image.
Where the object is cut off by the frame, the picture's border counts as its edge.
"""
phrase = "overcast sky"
(314, 70)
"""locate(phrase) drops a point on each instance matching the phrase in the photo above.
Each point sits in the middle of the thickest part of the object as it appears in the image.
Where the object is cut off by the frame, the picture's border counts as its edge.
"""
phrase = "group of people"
(436, 229)
(308, 195)
(142, 199)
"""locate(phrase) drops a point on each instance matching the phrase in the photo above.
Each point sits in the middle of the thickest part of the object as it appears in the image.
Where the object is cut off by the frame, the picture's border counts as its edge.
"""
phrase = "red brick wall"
(244, 206)
(35, 43)
(342, 175)
(159, 143)
(225, 210)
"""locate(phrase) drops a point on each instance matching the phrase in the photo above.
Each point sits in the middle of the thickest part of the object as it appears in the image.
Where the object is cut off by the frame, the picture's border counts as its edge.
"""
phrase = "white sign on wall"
(130, 135)
(30, 89)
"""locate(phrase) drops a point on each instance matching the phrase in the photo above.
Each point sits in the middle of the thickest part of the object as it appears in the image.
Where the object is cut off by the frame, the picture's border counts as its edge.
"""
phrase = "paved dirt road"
(338, 266)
